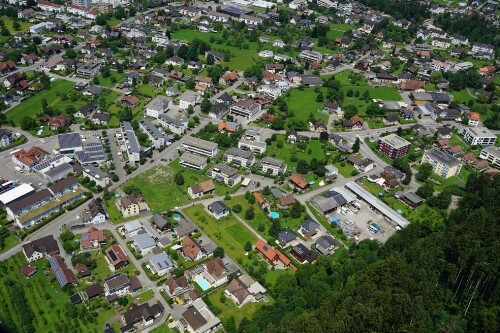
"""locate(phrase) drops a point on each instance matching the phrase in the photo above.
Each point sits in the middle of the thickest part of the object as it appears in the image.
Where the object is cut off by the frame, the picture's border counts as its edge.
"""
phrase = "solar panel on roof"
(113, 256)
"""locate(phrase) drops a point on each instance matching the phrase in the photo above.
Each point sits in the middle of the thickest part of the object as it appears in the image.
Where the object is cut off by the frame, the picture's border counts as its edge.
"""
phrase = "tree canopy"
(421, 280)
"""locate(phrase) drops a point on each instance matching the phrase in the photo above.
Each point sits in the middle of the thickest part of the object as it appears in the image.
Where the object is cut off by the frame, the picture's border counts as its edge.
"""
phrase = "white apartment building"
(443, 164)
(175, 125)
(159, 105)
(253, 146)
(479, 136)
(199, 146)
(491, 154)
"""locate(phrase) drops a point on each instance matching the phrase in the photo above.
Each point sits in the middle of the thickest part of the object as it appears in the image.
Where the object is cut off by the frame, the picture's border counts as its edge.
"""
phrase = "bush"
(237, 208)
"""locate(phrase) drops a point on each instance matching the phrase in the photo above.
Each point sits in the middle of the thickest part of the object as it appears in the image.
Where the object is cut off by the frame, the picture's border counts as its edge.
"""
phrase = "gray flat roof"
(192, 141)
(394, 141)
(90, 169)
(480, 132)
(253, 143)
(443, 157)
(190, 158)
(379, 205)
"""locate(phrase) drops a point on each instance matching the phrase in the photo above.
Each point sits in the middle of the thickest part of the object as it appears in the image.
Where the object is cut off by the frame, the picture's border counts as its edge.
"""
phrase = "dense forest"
(475, 27)
(443, 279)
(411, 10)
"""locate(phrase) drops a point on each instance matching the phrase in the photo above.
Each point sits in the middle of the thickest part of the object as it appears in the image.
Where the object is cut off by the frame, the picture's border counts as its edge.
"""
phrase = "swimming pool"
(177, 217)
(274, 215)
(203, 284)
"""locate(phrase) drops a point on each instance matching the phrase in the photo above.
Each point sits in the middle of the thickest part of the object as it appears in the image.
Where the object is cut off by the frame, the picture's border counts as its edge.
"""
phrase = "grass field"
(47, 303)
(33, 105)
(285, 153)
(462, 96)
(106, 81)
(241, 58)
(388, 93)
(303, 102)
(8, 23)
(159, 189)
(227, 232)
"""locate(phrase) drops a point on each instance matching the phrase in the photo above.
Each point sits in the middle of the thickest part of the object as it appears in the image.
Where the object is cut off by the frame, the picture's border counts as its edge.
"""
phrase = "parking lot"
(361, 221)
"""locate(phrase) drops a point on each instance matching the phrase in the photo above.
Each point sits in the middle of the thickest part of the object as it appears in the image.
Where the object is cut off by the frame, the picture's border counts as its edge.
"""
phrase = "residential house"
(128, 206)
(309, 228)
(201, 189)
(116, 257)
(286, 238)
(362, 165)
(92, 239)
(218, 209)
(177, 286)
(175, 125)
(198, 318)
(144, 243)
(243, 290)
(63, 274)
(298, 182)
(355, 123)
(327, 244)
(192, 250)
(40, 248)
(303, 254)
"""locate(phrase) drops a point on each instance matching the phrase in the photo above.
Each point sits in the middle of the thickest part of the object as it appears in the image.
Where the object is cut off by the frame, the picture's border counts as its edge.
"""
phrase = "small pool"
(117, 195)
(203, 284)
(312, 182)
(274, 215)
(177, 217)
(335, 219)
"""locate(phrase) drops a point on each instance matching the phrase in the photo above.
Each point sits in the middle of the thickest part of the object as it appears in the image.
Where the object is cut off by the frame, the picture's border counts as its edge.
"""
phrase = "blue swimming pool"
(203, 284)
(177, 217)
(274, 215)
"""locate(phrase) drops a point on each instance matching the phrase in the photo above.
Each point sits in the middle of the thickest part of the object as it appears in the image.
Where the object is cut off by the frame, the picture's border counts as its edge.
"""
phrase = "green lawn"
(33, 105)
(9, 242)
(158, 187)
(459, 180)
(228, 309)
(106, 81)
(227, 232)
(288, 150)
(345, 169)
(389, 93)
(9, 21)
(48, 305)
(302, 103)
(240, 58)
(462, 96)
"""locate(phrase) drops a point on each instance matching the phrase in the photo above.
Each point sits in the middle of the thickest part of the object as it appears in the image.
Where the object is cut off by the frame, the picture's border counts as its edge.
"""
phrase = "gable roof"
(190, 247)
